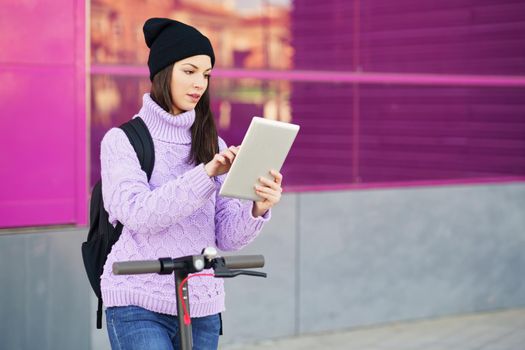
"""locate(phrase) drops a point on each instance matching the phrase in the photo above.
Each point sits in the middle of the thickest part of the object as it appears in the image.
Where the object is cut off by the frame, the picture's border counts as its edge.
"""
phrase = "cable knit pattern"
(178, 213)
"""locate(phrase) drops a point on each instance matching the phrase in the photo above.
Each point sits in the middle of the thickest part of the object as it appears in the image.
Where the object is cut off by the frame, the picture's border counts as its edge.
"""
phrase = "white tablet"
(264, 147)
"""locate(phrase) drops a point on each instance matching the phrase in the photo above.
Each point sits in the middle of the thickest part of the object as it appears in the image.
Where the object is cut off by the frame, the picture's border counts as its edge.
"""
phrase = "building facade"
(404, 192)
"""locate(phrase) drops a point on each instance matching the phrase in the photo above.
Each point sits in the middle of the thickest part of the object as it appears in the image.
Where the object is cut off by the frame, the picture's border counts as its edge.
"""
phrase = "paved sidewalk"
(500, 330)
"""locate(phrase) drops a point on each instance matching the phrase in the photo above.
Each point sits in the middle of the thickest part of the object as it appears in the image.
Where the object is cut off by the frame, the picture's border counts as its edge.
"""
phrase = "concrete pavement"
(499, 330)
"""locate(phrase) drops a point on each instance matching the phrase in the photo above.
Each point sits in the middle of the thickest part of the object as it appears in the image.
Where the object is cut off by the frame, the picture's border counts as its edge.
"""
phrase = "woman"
(179, 211)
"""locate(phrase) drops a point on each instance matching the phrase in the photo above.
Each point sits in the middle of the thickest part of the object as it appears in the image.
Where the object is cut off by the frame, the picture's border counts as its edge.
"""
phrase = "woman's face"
(189, 80)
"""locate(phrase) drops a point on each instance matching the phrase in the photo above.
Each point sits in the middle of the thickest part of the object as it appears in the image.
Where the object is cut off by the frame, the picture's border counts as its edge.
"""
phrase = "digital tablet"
(264, 147)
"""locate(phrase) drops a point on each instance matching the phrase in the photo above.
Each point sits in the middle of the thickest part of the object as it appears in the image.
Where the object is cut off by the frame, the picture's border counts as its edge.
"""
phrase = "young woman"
(178, 212)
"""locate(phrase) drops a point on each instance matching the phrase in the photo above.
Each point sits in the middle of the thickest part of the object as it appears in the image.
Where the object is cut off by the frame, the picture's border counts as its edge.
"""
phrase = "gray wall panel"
(99, 337)
(257, 306)
(44, 300)
(409, 253)
(12, 298)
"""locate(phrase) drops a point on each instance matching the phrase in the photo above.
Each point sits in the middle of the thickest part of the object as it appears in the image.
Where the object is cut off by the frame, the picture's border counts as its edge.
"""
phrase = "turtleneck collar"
(164, 126)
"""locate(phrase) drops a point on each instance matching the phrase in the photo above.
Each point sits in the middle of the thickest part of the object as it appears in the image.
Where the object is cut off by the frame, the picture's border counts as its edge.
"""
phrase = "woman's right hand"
(221, 162)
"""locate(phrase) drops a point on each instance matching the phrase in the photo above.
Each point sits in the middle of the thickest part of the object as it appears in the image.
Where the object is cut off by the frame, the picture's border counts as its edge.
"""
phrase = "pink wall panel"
(43, 118)
(38, 31)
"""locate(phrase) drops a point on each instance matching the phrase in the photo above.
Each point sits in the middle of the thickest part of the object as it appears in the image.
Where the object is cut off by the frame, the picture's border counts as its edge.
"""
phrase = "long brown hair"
(204, 143)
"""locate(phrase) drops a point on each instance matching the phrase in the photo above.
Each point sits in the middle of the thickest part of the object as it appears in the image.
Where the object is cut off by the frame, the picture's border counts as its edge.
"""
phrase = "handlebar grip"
(244, 261)
(136, 267)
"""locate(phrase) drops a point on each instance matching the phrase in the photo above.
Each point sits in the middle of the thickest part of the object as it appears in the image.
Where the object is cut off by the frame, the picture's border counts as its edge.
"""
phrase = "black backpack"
(102, 235)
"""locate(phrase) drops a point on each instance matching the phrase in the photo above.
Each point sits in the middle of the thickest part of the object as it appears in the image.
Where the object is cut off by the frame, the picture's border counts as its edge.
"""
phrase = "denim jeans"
(132, 327)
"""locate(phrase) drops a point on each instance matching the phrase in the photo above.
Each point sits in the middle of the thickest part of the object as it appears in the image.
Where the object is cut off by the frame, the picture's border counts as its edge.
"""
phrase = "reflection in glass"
(116, 99)
(245, 34)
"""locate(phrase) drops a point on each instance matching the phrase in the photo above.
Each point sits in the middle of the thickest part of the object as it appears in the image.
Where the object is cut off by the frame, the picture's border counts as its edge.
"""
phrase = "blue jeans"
(133, 327)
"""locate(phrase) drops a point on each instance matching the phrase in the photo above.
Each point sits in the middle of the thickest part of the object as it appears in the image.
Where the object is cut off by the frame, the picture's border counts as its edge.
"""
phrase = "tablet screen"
(264, 147)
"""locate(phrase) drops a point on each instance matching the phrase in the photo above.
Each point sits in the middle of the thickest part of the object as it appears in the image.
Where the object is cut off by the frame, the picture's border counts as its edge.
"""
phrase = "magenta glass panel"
(323, 153)
(393, 134)
(40, 31)
(436, 133)
(42, 104)
(323, 36)
(412, 36)
(463, 121)
(114, 100)
(448, 36)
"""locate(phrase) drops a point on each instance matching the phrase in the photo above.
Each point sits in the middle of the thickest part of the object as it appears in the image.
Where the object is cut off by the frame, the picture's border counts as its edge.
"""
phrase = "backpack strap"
(99, 313)
(140, 138)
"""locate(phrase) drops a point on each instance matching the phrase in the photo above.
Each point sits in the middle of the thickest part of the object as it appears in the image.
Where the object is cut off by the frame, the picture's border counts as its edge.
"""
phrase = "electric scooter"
(182, 267)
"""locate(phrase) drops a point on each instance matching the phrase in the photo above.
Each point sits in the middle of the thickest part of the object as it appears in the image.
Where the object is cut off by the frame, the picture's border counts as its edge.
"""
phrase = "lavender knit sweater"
(179, 212)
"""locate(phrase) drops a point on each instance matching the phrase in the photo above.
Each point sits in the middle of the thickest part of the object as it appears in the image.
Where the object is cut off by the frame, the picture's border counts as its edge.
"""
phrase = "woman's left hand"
(270, 192)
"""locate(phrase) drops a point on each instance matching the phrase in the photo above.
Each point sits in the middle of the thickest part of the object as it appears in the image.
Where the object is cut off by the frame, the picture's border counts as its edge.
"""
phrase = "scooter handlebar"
(136, 267)
(155, 266)
(244, 261)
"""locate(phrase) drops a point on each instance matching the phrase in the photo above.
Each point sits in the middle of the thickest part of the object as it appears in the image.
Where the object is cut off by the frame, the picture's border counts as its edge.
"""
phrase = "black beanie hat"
(171, 41)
